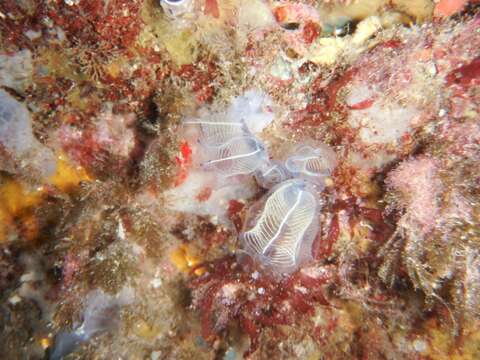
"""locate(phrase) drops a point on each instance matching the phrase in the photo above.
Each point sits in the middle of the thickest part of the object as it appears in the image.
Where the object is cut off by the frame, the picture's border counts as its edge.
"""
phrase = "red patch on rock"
(211, 8)
(234, 211)
(204, 194)
(365, 104)
(280, 13)
(183, 161)
(201, 78)
(324, 247)
(310, 32)
(466, 74)
(229, 292)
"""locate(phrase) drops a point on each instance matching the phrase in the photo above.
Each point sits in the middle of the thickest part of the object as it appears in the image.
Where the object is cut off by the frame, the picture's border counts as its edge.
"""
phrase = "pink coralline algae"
(110, 138)
(419, 186)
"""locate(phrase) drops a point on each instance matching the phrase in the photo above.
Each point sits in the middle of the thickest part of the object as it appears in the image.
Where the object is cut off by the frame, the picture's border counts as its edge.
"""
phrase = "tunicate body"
(281, 228)
(228, 137)
(238, 156)
(177, 8)
(16, 137)
(216, 130)
(16, 70)
(312, 164)
(101, 314)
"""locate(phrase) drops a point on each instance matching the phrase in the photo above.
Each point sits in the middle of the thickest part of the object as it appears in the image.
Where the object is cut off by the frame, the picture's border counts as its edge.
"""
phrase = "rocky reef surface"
(240, 179)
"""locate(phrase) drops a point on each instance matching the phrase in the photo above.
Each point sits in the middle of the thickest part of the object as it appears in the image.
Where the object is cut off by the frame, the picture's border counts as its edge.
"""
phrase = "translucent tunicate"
(282, 227)
(16, 70)
(238, 156)
(217, 130)
(271, 173)
(252, 108)
(247, 115)
(177, 8)
(313, 164)
(101, 314)
(17, 139)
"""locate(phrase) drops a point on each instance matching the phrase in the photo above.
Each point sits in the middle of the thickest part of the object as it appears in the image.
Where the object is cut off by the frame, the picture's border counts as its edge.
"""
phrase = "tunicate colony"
(282, 226)
(17, 138)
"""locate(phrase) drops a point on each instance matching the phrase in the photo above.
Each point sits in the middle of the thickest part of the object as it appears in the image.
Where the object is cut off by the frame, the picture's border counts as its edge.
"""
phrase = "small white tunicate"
(72, 2)
(156, 282)
(281, 228)
(33, 35)
(177, 8)
(155, 355)
(312, 164)
(420, 345)
(281, 69)
(15, 299)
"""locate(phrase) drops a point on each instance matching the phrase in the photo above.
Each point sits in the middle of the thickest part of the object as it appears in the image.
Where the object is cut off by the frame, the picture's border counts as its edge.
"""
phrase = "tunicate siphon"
(271, 173)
